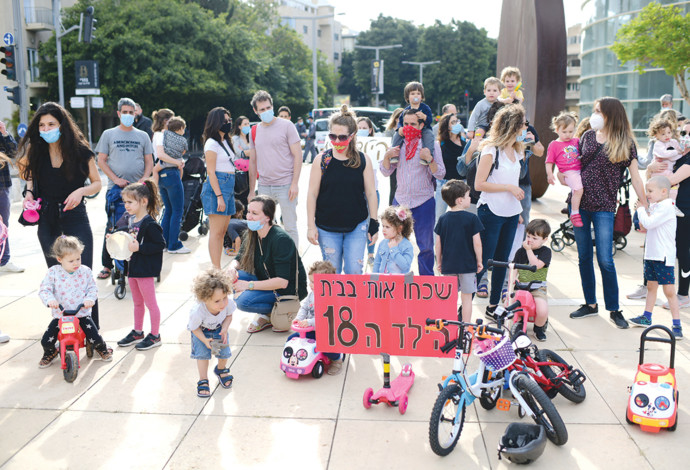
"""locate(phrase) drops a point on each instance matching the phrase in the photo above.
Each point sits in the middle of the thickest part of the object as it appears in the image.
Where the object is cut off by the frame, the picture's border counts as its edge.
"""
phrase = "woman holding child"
(267, 265)
(606, 151)
(341, 201)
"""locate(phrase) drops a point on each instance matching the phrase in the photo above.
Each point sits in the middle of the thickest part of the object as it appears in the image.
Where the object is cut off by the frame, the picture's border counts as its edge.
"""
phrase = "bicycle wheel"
(489, 397)
(574, 393)
(544, 411)
(446, 420)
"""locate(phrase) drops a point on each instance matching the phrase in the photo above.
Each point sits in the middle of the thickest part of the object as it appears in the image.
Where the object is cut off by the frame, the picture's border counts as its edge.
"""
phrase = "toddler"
(66, 286)
(414, 95)
(511, 79)
(458, 243)
(480, 113)
(236, 228)
(305, 316)
(659, 251)
(536, 253)
(142, 205)
(666, 150)
(174, 143)
(394, 254)
(563, 153)
(209, 321)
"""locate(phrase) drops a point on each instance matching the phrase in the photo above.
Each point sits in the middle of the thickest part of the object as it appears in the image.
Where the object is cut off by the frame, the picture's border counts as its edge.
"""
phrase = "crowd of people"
(465, 195)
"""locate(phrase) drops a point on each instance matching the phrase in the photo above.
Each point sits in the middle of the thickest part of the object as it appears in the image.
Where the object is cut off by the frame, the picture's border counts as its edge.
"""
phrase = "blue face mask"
(522, 136)
(456, 128)
(51, 136)
(267, 116)
(246, 130)
(254, 225)
(127, 120)
(363, 133)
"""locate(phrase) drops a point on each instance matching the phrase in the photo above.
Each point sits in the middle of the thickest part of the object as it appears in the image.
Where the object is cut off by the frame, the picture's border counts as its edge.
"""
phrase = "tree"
(658, 36)
(347, 85)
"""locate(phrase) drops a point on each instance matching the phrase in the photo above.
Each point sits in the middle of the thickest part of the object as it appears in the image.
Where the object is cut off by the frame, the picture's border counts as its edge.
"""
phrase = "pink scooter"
(393, 393)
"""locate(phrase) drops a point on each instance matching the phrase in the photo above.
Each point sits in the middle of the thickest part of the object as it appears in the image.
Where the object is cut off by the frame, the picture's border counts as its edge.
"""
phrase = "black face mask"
(226, 128)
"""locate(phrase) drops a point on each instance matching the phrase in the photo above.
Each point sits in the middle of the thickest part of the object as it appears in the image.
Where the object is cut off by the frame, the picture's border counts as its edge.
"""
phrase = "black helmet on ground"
(522, 443)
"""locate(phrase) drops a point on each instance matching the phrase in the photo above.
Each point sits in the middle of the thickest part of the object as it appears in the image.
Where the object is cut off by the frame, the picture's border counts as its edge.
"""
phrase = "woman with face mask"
(267, 265)
(606, 151)
(341, 200)
(450, 135)
(365, 128)
(55, 159)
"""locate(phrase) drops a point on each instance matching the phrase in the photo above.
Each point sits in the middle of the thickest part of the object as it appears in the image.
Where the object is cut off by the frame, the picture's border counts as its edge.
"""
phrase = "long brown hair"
(214, 121)
(33, 150)
(251, 238)
(159, 118)
(444, 128)
(148, 190)
(347, 118)
(619, 135)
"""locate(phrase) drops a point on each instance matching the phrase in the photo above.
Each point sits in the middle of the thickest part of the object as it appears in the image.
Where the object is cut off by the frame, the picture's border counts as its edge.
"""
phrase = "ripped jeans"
(345, 250)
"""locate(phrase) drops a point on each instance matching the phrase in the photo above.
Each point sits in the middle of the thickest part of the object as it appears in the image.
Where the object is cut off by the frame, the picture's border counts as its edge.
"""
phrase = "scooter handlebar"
(503, 264)
(70, 313)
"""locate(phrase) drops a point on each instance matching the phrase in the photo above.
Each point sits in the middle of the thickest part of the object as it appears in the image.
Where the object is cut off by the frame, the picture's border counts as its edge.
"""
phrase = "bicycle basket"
(499, 357)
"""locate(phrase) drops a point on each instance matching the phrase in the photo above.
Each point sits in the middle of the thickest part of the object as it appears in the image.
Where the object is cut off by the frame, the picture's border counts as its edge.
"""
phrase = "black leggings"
(683, 253)
(87, 325)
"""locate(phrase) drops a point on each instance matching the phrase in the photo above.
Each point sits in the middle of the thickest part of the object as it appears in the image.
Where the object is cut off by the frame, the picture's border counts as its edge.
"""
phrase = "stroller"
(193, 177)
(565, 235)
(115, 208)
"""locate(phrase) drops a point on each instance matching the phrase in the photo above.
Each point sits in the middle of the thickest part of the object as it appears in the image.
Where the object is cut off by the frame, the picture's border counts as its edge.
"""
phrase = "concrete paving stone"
(26, 318)
(265, 443)
(20, 427)
(12, 348)
(121, 440)
(388, 444)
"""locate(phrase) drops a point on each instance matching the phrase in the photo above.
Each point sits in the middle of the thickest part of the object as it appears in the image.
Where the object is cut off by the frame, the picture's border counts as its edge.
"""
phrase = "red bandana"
(412, 137)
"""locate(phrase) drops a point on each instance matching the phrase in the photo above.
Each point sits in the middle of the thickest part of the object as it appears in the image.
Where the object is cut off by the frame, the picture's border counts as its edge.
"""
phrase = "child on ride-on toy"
(305, 316)
(209, 321)
(70, 284)
(534, 252)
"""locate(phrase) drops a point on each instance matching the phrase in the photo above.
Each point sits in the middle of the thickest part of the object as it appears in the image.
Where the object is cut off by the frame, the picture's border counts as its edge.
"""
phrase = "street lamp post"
(421, 67)
(377, 49)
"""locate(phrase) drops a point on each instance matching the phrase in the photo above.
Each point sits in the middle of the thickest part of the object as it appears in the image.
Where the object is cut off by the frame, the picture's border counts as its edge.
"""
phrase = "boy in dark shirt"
(458, 244)
(534, 252)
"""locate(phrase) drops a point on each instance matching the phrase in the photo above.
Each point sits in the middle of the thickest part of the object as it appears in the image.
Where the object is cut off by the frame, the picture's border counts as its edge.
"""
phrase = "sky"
(359, 13)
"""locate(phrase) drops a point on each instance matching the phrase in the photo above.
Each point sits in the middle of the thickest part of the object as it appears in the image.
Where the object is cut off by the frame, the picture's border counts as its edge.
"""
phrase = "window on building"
(336, 56)
(336, 36)
(33, 64)
(305, 29)
(575, 63)
(318, 32)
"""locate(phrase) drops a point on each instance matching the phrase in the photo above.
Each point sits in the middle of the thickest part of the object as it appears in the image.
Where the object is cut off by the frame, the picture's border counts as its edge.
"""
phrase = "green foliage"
(216, 6)
(659, 36)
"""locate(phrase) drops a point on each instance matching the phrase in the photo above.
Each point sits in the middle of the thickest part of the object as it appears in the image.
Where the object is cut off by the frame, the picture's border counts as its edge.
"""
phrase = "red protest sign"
(370, 314)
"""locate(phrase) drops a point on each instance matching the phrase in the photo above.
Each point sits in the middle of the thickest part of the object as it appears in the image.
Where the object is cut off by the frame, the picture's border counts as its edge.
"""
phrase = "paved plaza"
(141, 409)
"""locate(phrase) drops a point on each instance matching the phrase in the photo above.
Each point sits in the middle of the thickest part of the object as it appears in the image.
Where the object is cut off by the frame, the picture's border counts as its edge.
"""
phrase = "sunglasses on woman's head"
(338, 138)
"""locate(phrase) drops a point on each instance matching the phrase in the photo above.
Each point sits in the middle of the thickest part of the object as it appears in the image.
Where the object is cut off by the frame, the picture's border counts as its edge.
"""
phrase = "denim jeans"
(423, 217)
(345, 248)
(603, 233)
(5, 214)
(288, 208)
(255, 301)
(497, 239)
(172, 194)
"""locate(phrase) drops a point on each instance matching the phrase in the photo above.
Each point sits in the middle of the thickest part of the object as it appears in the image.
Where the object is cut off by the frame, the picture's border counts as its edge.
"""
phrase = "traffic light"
(89, 24)
(10, 67)
(467, 95)
(13, 95)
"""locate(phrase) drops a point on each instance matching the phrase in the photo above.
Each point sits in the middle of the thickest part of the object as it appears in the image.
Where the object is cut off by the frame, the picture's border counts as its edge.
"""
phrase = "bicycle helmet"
(522, 443)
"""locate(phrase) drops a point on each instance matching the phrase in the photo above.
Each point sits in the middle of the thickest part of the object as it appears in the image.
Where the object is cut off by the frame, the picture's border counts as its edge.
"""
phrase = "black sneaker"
(490, 312)
(539, 333)
(585, 311)
(149, 342)
(618, 320)
(132, 338)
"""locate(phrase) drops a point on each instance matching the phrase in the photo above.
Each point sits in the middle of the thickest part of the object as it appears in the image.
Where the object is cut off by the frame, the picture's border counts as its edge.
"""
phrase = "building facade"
(603, 75)
(573, 68)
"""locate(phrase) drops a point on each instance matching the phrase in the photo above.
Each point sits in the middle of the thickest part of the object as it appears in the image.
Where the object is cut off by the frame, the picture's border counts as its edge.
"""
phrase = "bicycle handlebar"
(503, 264)
(70, 313)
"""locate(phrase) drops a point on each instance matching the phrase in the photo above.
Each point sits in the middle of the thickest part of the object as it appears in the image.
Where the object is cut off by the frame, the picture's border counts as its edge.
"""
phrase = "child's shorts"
(467, 283)
(199, 349)
(539, 293)
(657, 271)
(573, 179)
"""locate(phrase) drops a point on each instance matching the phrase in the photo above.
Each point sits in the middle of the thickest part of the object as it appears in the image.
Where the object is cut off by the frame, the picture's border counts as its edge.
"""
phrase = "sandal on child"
(47, 359)
(106, 354)
(576, 220)
(104, 274)
(225, 382)
(202, 386)
(483, 291)
(259, 324)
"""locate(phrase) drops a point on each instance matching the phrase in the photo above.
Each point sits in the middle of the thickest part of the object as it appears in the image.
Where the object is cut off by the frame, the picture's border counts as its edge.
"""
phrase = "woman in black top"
(452, 144)
(341, 201)
(55, 160)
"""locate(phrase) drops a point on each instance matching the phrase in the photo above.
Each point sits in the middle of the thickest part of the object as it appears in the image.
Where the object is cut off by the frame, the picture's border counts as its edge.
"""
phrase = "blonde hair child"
(395, 253)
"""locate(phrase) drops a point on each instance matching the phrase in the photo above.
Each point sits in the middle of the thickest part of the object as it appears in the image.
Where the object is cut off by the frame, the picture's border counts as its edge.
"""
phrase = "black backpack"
(472, 175)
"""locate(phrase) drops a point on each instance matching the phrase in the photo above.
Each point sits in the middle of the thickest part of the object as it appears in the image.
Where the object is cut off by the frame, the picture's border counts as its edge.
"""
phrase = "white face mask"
(596, 121)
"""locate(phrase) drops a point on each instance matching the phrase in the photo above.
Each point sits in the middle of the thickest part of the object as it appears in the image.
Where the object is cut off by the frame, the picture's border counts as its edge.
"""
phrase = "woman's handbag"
(241, 172)
(286, 307)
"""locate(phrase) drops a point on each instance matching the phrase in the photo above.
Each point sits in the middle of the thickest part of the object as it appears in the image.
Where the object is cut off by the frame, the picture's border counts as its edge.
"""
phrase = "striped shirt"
(415, 185)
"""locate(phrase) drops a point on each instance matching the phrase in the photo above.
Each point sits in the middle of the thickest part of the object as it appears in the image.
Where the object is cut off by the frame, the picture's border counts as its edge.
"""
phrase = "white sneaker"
(4, 338)
(639, 293)
(683, 301)
(180, 251)
(11, 268)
